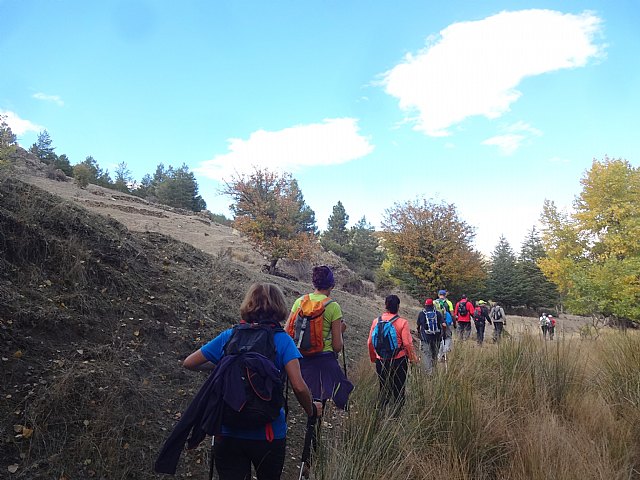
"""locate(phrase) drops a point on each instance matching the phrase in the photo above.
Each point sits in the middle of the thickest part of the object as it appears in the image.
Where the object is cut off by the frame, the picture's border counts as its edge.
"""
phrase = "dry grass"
(525, 409)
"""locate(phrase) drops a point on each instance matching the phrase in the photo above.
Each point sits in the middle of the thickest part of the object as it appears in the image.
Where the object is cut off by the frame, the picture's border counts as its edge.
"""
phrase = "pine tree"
(7, 139)
(62, 162)
(307, 217)
(93, 169)
(503, 283)
(122, 178)
(536, 290)
(336, 237)
(178, 188)
(43, 148)
(363, 252)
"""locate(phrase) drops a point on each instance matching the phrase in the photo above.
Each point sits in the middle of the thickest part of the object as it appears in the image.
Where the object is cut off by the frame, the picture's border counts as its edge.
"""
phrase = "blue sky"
(493, 106)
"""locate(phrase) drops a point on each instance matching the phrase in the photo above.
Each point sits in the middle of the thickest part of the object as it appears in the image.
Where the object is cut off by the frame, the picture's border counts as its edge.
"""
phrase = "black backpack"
(462, 308)
(264, 397)
(497, 313)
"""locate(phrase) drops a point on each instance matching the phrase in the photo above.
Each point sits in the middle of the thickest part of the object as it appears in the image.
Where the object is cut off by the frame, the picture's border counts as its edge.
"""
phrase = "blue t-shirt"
(285, 352)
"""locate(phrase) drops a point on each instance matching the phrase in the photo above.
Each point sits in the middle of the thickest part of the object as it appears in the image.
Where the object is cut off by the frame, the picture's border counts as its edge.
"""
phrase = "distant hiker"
(241, 401)
(316, 326)
(480, 318)
(499, 321)
(390, 348)
(431, 326)
(544, 325)
(463, 314)
(552, 326)
(446, 306)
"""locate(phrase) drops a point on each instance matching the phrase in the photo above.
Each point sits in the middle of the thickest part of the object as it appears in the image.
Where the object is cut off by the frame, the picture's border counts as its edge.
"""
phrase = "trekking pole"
(213, 439)
(344, 359)
(306, 448)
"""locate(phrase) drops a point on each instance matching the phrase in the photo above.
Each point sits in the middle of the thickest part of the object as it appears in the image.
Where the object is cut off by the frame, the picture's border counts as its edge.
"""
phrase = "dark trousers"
(545, 329)
(497, 330)
(480, 332)
(392, 375)
(464, 329)
(234, 457)
(552, 330)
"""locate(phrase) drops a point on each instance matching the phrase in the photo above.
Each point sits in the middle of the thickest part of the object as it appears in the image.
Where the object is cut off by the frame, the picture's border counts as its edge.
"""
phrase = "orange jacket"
(405, 342)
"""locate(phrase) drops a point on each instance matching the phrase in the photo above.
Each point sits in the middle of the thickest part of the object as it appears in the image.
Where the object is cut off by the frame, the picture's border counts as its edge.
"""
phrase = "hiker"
(499, 321)
(391, 348)
(431, 327)
(447, 335)
(552, 326)
(321, 340)
(463, 313)
(271, 354)
(544, 325)
(480, 318)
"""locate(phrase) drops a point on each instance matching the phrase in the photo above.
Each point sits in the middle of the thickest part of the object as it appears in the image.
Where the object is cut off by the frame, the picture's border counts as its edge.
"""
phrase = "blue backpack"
(385, 339)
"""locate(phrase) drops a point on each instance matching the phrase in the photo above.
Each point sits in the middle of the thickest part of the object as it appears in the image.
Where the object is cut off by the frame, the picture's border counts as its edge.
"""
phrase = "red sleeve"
(407, 341)
(372, 352)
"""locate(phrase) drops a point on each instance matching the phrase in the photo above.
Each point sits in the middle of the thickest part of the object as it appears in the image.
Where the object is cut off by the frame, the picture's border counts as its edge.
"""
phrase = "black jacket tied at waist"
(204, 414)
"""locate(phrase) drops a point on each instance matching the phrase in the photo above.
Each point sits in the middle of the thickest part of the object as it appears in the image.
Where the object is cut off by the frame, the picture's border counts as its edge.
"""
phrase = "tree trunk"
(272, 266)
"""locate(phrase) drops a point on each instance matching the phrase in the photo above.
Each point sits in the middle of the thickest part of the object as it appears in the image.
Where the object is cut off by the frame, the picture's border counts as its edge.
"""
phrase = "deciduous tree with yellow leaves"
(593, 253)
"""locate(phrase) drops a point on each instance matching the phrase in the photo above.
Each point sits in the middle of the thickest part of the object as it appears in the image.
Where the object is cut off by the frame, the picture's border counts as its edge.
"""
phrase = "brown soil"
(102, 295)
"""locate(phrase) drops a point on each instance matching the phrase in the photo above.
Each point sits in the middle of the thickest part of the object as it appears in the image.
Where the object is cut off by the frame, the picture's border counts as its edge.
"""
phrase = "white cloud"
(49, 98)
(507, 143)
(514, 137)
(521, 126)
(18, 125)
(473, 68)
(331, 142)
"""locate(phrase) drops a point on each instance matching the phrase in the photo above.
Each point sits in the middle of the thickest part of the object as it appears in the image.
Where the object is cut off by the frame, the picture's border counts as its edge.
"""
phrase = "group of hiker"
(243, 404)
(547, 325)
(390, 342)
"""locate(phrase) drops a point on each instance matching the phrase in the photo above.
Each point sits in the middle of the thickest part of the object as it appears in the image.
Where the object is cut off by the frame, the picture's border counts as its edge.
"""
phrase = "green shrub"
(82, 174)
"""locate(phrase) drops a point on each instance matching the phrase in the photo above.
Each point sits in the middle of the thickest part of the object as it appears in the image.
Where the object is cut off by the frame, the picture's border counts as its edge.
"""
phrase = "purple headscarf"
(322, 277)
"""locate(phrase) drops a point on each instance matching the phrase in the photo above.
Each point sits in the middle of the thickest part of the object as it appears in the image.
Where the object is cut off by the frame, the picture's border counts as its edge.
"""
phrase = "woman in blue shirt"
(237, 448)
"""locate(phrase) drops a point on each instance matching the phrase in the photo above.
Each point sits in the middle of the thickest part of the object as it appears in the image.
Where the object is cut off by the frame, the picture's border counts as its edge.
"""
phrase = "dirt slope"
(101, 295)
(94, 319)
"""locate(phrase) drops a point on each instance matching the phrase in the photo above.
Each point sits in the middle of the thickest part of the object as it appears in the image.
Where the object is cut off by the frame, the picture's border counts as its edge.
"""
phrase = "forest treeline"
(175, 187)
(586, 260)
